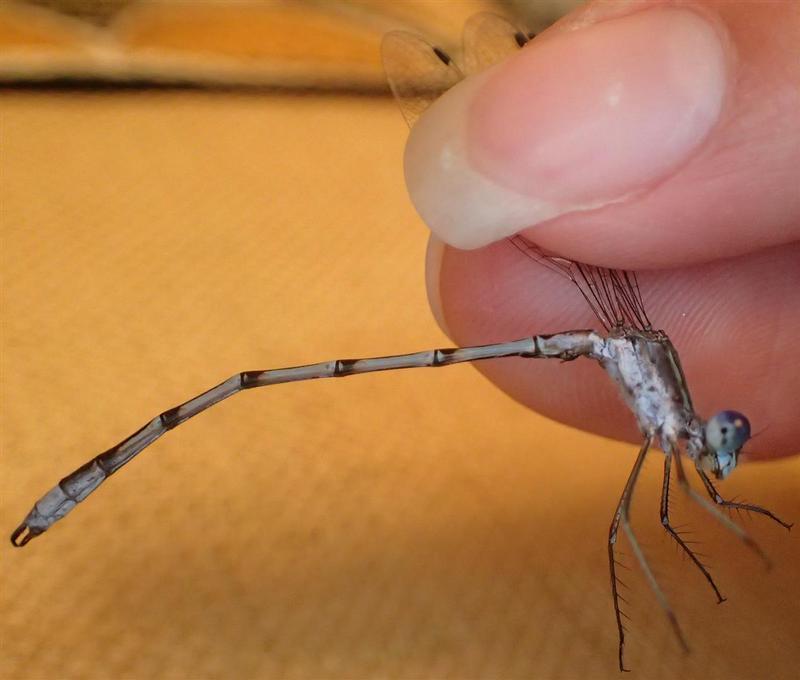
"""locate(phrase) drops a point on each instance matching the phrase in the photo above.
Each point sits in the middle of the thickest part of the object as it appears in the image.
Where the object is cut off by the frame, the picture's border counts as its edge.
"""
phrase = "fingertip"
(573, 121)
(668, 134)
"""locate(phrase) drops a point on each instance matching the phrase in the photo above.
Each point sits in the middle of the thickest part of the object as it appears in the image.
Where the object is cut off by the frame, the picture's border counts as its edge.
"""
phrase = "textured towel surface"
(408, 525)
(287, 43)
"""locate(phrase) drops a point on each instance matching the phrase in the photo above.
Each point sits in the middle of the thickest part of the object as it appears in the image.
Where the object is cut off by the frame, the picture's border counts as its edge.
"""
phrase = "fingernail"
(573, 121)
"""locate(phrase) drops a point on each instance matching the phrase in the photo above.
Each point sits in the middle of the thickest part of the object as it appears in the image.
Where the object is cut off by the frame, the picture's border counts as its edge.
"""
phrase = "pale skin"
(715, 230)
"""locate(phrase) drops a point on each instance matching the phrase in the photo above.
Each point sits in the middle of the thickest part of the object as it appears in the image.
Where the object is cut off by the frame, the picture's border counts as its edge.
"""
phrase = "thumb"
(668, 134)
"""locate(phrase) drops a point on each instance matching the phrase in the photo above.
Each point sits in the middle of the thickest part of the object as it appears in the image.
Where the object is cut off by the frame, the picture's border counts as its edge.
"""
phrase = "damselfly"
(639, 358)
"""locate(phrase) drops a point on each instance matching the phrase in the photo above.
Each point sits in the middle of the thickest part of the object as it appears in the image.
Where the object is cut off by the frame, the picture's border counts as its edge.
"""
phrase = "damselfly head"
(725, 434)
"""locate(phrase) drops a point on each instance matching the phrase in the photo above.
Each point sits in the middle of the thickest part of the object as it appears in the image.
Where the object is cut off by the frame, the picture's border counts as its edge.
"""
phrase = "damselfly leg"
(622, 518)
(665, 522)
(726, 521)
(735, 505)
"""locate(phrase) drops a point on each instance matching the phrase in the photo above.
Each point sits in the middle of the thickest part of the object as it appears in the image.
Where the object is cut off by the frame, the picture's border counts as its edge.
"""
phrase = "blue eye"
(727, 431)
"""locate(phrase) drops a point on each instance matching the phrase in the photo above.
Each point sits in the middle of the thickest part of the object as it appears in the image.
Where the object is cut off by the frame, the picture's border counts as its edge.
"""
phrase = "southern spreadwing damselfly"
(636, 355)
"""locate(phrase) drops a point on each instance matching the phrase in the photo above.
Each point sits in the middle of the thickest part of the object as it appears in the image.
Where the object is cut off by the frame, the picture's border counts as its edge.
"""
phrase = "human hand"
(663, 138)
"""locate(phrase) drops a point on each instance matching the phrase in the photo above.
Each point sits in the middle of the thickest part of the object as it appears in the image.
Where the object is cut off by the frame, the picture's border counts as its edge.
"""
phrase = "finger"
(628, 137)
(734, 322)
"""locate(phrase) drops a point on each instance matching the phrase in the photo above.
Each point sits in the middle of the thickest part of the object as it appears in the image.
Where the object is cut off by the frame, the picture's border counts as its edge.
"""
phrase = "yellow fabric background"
(406, 525)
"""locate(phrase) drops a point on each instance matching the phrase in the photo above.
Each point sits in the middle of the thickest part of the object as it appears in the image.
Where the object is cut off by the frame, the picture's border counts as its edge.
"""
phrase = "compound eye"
(727, 431)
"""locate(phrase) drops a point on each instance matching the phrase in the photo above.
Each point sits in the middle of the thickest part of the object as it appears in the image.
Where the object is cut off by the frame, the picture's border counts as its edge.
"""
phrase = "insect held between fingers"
(635, 354)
